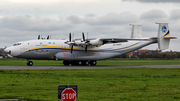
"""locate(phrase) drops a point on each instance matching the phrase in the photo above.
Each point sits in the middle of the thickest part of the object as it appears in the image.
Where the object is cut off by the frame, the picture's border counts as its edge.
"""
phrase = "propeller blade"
(70, 37)
(83, 36)
(71, 49)
(38, 37)
(86, 49)
(4, 53)
(47, 37)
(87, 36)
(9, 56)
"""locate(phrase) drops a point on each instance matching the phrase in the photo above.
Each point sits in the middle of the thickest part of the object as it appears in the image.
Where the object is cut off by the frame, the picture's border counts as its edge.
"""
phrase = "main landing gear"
(73, 62)
(79, 62)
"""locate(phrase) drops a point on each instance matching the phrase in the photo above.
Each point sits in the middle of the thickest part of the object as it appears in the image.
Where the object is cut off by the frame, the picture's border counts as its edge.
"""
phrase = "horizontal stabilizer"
(170, 38)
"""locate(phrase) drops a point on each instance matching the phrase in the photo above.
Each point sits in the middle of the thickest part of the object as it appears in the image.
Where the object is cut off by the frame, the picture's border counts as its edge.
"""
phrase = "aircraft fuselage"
(56, 49)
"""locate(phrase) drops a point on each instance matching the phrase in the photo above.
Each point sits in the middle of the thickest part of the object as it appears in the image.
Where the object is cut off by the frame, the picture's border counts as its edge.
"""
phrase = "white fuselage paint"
(57, 49)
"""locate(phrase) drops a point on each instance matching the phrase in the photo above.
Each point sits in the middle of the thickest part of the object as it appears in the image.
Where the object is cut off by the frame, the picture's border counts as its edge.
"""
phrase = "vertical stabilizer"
(163, 32)
(136, 31)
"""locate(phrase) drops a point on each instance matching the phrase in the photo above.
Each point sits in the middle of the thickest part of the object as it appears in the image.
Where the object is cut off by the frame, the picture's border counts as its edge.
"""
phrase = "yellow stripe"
(43, 47)
(59, 48)
(167, 35)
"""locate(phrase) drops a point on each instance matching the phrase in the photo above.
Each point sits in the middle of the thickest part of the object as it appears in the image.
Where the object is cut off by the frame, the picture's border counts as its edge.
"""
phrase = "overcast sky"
(26, 19)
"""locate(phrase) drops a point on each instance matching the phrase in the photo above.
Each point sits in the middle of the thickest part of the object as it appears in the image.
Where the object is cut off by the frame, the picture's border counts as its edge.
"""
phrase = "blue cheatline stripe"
(105, 50)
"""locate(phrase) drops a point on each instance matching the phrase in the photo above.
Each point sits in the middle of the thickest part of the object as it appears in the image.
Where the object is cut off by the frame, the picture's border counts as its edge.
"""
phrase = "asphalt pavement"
(88, 67)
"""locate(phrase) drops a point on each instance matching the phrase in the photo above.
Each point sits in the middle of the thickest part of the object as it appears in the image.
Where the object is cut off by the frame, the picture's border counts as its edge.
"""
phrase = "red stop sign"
(68, 94)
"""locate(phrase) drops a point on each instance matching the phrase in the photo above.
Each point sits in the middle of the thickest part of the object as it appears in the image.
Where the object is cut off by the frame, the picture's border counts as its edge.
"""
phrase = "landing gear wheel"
(76, 63)
(66, 62)
(93, 62)
(29, 63)
(85, 63)
(72, 63)
(79, 63)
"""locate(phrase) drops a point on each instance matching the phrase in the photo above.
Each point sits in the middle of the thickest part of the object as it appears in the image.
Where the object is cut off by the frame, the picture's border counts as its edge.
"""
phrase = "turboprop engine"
(83, 42)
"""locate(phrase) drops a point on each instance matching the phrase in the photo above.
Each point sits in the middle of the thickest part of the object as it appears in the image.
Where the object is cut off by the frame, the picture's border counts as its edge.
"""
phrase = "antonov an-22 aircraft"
(84, 51)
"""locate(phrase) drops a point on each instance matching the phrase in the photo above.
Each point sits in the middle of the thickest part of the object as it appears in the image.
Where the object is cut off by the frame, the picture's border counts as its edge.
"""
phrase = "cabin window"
(17, 44)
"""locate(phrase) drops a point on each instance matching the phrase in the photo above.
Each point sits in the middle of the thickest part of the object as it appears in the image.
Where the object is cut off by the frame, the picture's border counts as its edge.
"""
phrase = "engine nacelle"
(95, 42)
(79, 43)
(89, 43)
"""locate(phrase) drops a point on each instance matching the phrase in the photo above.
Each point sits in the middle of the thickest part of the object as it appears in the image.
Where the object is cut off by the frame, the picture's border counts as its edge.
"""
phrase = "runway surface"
(88, 67)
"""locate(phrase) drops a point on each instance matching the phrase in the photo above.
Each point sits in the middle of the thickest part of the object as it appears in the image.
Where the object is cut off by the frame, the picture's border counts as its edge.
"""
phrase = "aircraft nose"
(8, 51)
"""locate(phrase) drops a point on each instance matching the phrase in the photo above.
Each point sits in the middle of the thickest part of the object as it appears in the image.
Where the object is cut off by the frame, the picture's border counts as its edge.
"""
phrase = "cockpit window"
(16, 44)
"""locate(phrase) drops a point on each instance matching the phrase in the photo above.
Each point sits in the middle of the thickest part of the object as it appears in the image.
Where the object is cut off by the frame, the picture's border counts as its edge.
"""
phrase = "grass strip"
(138, 84)
(107, 62)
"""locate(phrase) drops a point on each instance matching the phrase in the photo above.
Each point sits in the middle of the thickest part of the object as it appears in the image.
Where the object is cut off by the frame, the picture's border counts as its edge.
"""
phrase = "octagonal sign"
(68, 94)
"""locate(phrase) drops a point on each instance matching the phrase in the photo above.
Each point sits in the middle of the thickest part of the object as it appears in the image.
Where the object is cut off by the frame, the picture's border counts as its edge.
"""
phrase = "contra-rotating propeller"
(7, 53)
(4, 53)
(83, 42)
(86, 41)
(70, 42)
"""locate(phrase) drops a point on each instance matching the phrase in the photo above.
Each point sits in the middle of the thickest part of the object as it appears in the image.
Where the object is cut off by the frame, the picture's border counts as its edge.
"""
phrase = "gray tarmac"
(87, 67)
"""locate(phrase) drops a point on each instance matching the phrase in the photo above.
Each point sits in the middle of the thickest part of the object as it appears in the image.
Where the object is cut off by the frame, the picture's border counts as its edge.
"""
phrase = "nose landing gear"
(29, 63)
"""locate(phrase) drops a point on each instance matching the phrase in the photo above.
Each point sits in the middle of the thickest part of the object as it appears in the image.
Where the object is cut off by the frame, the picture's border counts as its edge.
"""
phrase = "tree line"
(156, 55)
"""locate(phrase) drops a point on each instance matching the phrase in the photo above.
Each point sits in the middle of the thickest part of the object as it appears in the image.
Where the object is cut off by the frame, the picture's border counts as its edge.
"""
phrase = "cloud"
(74, 19)
(26, 19)
(154, 14)
(32, 23)
(112, 19)
(42, 24)
(55, 1)
(26, 27)
(175, 14)
(156, 1)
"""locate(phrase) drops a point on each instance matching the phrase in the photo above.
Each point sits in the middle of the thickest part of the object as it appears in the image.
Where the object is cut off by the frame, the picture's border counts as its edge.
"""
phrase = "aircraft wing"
(101, 41)
(116, 40)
